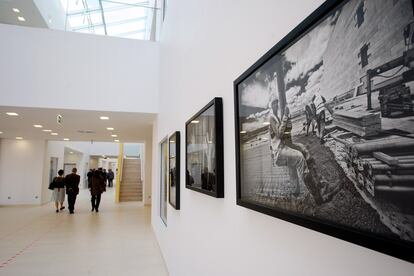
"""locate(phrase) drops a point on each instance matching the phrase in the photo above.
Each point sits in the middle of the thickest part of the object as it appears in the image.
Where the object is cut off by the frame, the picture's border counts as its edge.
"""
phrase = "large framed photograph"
(174, 168)
(325, 126)
(163, 179)
(204, 150)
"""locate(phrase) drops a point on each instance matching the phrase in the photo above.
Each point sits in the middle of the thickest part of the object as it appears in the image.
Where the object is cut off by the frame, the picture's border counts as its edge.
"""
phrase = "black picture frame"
(214, 145)
(163, 146)
(391, 244)
(174, 142)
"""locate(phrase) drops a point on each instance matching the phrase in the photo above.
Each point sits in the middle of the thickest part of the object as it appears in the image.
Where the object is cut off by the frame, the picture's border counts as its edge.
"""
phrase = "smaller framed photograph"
(204, 150)
(174, 168)
(163, 179)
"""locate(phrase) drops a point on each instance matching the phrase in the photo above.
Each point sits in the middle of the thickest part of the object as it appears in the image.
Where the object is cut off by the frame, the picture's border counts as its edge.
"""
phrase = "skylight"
(120, 18)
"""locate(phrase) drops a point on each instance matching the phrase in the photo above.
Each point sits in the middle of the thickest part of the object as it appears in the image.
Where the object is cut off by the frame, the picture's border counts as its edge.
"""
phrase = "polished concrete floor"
(116, 241)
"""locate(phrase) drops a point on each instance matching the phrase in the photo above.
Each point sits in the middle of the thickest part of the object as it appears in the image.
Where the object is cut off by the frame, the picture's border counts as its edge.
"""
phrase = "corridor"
(34, 240)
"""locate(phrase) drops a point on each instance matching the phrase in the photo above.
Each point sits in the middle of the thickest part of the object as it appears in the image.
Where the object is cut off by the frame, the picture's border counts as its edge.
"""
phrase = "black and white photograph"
(204, 150)
(163, 179)
(325, 125)
(174, 168)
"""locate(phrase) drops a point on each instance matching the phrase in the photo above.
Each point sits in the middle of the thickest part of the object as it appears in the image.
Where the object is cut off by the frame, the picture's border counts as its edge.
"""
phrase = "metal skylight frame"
(109, 10)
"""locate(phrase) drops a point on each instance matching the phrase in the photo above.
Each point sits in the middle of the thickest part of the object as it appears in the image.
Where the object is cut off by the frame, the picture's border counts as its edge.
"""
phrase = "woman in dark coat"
(58, 187)
(97, 188)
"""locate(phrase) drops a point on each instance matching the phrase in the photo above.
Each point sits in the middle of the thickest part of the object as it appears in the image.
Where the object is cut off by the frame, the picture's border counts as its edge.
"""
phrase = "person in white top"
(293, 155)
(284, 152)
(322, 111)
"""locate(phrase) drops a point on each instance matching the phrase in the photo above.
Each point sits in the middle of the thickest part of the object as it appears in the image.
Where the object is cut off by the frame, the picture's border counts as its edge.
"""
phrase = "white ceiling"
(130, 127)
(28, 10)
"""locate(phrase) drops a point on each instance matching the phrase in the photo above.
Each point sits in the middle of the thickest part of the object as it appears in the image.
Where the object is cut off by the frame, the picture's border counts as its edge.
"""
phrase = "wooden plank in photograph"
(362, 131)
(386, 158)
(392, 143)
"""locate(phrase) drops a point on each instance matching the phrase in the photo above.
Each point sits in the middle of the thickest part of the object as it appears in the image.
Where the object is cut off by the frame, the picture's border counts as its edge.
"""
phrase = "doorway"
(53, 168)
(67, 168)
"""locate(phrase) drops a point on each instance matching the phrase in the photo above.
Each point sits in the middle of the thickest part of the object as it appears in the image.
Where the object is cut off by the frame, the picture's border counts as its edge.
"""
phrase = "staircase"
(131, 184)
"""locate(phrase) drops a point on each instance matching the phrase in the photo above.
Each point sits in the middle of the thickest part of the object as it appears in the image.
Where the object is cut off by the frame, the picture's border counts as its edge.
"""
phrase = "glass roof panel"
(80, 5)
(117, 30)
(124, 14)
(85, 20)
(121, 18)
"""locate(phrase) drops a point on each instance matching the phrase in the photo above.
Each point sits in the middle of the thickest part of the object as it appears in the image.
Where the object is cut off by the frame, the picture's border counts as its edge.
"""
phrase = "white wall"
(100, 148)
(57, 69)
(206, 45)
(21, 172)
(53, 149)
(147, 173)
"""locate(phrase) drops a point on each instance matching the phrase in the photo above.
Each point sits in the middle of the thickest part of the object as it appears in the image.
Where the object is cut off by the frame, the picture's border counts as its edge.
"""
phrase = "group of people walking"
(108, 177)
(69, 185)
(60, 184)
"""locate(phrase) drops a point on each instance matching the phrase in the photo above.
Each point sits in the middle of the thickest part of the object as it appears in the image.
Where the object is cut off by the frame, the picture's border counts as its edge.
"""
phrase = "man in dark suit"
(111, 177)
(72, 188)
(97, 188)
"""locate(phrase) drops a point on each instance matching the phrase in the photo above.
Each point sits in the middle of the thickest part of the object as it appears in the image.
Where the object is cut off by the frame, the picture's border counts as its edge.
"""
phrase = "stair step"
(134, 182)
(130, 190)
(130, 194)
(127, 200)
(130, 197)
(131, 181)
(133, 185)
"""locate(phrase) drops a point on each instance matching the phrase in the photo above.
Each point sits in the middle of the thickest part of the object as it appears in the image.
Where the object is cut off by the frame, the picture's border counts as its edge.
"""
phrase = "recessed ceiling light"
(114, 135)
(172, 141)
(243, 131)
(12, 114)
(210, 142)
(104, 118)
(38, 126)
(266, 123)
(54, 133)
(116, 140)
(1, 132)
(110, 128)
(195, 121)
(16, 10)
(66, 139)
(19, 138)
(47, 130)
(71, 152)
(21, 18)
